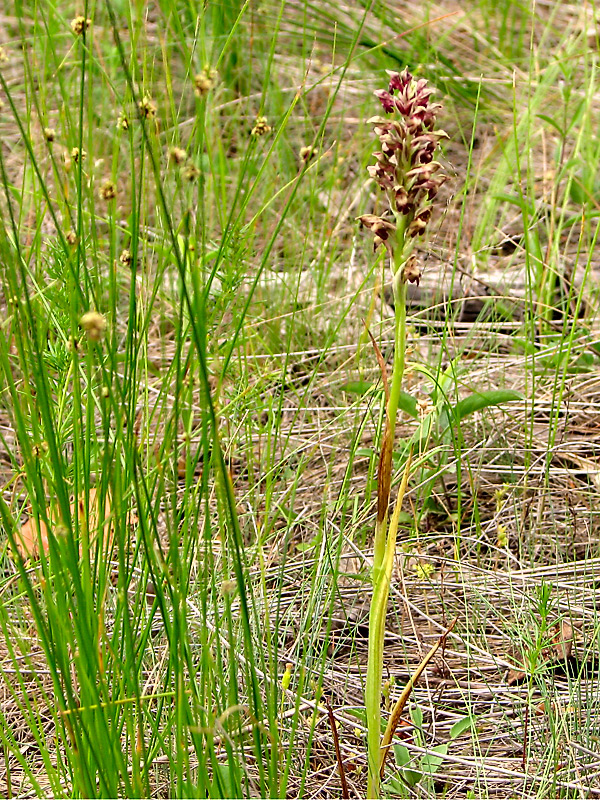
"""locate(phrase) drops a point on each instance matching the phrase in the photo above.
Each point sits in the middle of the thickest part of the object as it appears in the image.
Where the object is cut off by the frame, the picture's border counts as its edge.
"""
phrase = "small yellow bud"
(73, 345)
(177, 155)
(93, 324)
(126, 258)
(80, 24)
(286, 677)
(77, 154)
(123, 122)
(261, 127)
(49, 134)
(307, 153)
(147, 107)
(204, 81)
(190, 172)
(108, 191)
(502, 535)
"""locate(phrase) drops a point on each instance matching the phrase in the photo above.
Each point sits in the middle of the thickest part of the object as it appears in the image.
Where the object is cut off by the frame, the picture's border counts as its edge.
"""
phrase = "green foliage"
(420, 770)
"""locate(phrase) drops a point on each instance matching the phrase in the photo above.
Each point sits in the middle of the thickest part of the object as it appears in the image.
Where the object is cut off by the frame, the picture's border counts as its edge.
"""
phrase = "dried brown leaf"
(30, 537)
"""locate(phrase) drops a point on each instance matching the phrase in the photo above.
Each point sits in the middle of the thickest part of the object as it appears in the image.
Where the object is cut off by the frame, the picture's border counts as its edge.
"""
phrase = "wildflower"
(424, 407)
(93, 324)
(123, 121)
(126, 258)
(71, 238)
(36, 450)
(204, 81)
(424, 570)
(405, 168)
(108, 190)
(380, 227)
(261, 127)
(80, 24)
(190, 172)
(411, 272)
(77, 155)
(49, 134)
(499, 496)
(177, 155)
(147, 107)
(307, 153)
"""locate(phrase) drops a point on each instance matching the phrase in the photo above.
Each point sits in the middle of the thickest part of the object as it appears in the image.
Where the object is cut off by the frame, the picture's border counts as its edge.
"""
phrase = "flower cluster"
(79, 25)
(204, 81)
(261, 127)
(405, 168)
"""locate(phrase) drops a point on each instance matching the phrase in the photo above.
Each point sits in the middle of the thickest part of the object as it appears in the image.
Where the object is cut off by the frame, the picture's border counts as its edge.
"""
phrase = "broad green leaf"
(430, 763)
(357, 387)
(406, 401)
(403, 757)
(479, 400)
(394, 788)
(417, 716)
(461, 726)
(408, 404)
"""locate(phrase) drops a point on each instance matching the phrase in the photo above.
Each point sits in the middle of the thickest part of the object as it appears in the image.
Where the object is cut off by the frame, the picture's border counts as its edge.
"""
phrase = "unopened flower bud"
(190, 172)
(204, 81)
(306, 153)
(261, 127)
(177, 155)
(147, 107)
(93, 324)
(123, 121)
(108, 191)
(80, 24)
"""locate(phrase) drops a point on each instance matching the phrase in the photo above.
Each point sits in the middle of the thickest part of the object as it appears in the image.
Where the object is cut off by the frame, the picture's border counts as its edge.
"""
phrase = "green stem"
(384, 543)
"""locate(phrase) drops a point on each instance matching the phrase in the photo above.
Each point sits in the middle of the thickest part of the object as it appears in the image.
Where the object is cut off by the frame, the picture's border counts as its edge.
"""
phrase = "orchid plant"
(406, 170)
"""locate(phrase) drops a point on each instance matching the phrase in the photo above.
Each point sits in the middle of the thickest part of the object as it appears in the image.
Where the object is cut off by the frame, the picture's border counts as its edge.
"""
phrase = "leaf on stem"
(384, 474)
(382, 364)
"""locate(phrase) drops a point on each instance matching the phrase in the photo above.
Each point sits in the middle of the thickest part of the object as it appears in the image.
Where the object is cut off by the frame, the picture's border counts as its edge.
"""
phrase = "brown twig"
(402, 700)
(525, 735)
(338, 752)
